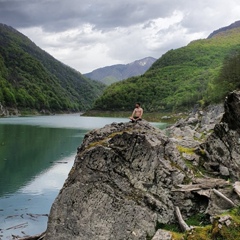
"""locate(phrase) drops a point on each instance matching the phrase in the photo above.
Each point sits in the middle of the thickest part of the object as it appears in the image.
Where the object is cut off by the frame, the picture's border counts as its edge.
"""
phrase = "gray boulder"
(162, 235)
(120, 186)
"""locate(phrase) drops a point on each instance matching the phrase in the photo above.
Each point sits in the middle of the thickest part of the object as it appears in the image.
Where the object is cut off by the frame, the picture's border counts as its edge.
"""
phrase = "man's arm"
(133, 113)
(141, 113)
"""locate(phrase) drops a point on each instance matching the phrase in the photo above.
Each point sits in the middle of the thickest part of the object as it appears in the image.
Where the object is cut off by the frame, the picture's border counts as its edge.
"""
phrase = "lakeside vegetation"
(179, 80)
(201, 73)
(227, 80)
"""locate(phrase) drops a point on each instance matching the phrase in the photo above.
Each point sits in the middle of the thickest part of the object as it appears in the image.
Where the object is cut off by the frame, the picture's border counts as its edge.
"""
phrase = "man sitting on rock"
(137, 113)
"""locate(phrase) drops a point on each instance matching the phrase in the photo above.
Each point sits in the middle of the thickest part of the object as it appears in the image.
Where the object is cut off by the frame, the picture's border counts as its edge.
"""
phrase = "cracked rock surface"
(120, 185)
(223, 146)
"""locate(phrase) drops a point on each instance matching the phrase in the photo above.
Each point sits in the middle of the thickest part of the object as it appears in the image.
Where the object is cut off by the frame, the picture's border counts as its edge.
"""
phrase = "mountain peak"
(118, 72)
(143, 62)
(224, 29)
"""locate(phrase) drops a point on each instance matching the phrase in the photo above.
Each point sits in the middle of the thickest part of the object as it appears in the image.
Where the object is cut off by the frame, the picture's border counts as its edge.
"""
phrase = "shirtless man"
(137, 113)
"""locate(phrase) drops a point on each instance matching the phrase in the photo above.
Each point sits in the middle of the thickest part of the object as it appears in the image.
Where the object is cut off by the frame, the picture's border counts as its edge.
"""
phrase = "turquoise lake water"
(36, 154)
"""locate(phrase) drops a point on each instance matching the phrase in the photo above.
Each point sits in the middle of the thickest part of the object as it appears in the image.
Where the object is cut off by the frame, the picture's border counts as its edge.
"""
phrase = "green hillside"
(227, 80)
(178, 80)
(31, 78)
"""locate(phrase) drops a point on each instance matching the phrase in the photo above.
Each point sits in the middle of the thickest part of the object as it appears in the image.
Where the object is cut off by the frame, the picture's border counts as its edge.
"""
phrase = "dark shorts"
(136, 118)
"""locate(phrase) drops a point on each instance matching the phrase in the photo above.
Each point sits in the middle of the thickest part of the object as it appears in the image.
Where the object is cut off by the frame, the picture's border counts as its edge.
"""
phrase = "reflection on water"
(27, 150)
(63, 121)
(36, 154)
(26, 211)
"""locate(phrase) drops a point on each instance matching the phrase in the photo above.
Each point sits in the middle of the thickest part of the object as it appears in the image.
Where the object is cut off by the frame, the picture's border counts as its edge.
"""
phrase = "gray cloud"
(96, 33)
(60, 15)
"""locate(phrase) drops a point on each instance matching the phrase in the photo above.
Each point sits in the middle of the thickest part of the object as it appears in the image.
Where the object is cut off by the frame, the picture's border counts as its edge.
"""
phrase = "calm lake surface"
(36, 154)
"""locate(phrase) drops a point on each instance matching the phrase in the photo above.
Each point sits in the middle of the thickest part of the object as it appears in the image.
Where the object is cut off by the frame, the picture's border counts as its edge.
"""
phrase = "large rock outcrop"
(222, 148)
(129, 178)
(120, 186)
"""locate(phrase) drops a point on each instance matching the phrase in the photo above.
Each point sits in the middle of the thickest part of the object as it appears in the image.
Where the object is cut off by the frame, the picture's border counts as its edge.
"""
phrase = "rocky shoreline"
(3, 111)
(129, 180)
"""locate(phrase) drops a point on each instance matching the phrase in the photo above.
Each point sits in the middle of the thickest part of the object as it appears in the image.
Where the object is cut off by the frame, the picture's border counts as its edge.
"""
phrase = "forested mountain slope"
(179, 79)
(31, 78)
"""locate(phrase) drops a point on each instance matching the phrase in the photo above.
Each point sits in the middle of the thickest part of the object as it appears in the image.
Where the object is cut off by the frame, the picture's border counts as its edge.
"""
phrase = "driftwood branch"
(236, 187)
(224, 197)
(187, 188)
(35, 237)
(201, 184)
(22, 225)
(181, 222)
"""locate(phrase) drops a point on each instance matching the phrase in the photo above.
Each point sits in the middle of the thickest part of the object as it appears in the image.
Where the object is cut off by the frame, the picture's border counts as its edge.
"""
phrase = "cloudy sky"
(88, 34)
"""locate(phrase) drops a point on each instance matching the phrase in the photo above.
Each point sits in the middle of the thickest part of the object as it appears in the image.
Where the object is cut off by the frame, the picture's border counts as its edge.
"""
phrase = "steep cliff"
(222, 148)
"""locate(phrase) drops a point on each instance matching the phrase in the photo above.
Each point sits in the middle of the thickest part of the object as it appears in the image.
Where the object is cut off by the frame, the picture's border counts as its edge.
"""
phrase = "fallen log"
(212, 181)
(187, 188)
(201, 184)
(182, 223)
(224, 197)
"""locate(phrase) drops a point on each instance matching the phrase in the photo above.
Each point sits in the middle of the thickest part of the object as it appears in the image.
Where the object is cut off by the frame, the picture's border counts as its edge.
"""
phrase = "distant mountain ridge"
(224, 29)
(118, 72)
(30, 78)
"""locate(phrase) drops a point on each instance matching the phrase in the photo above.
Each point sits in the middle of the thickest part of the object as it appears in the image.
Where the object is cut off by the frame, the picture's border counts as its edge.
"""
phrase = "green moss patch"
(182, 150)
